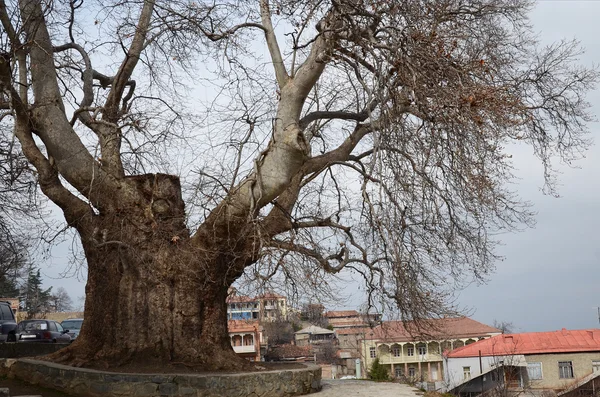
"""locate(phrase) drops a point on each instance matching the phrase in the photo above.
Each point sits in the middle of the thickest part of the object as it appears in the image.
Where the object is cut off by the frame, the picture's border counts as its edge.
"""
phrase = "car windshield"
(32, 326)
(71, 324)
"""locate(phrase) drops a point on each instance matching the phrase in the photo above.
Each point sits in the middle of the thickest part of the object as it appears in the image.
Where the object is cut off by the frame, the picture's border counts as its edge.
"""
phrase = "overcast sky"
(550, 276)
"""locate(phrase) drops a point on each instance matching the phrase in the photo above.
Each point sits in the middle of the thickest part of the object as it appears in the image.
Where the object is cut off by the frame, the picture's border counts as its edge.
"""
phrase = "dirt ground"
(363, 388)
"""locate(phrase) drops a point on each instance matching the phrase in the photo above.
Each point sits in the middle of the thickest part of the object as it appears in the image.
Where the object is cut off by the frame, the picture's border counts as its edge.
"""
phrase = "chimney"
(564, 331)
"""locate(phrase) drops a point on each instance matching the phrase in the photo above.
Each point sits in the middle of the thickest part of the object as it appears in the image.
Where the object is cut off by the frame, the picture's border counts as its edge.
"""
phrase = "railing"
(390, 358)
(244, 349)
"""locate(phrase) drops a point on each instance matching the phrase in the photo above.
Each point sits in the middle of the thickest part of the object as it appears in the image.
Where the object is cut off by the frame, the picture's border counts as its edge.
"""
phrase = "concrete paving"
(363, 388)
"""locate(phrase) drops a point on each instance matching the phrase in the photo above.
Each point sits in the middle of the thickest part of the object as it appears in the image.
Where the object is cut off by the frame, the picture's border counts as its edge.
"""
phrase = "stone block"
(145, 390)
(168, 389)
(100, 387)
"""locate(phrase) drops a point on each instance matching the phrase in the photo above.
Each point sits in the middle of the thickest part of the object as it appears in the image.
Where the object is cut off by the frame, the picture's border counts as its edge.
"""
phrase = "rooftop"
(342, 313)
(270, 295)
(240, 299)
(441, 328)
(313, 329)
(290, 351)
(347, 322)
(563, 341)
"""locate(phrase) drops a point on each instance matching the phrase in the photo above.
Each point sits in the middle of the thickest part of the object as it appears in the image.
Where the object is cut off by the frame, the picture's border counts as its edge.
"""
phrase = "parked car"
(41, 331)
(8, 323)
(73, 326)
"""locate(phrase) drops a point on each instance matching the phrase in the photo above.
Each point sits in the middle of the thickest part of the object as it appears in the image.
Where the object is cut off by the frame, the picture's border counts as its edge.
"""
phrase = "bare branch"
(280, 72)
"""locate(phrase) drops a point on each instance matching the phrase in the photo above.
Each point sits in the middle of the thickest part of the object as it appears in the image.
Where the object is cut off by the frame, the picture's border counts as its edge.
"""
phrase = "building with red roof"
(550, 361)
(246, 337)
(413, 350)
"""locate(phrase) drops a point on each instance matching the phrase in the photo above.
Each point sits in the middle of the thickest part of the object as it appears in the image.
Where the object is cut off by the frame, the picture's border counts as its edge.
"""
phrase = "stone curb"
(94, 383)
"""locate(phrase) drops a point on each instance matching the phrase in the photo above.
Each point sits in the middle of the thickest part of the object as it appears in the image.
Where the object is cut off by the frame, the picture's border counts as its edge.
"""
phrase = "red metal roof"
(441, 328)
(563, 341)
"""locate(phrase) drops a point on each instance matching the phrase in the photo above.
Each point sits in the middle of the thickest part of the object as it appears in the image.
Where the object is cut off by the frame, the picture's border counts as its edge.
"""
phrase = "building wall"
(581, 363)
(582, 367)
(454, 368)
(302, 339)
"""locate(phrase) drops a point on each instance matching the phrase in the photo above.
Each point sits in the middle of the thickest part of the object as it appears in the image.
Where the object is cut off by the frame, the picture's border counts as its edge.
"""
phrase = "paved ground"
(331, 388)
(363, 388)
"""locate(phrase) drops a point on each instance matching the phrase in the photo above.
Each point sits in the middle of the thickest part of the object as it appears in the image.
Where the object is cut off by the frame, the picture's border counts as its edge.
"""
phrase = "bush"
(378, 371)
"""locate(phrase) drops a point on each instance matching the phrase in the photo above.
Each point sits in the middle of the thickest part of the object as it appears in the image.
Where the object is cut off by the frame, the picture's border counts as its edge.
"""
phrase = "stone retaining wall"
(87, 382)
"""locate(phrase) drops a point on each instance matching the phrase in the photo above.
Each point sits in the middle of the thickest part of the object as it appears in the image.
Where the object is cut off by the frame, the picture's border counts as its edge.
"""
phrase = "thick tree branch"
(110, 136)
(280, 71)
(19, 51)
(77, 212)
(48, 118)
(340, 115)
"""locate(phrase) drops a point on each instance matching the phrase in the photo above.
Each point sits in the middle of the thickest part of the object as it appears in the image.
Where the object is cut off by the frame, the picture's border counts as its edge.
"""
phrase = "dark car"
(7, 322)
(40, 331)
(73, 325)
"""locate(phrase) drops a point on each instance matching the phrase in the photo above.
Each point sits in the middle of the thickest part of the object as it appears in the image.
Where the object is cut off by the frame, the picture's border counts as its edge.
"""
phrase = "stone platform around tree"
(94, 383)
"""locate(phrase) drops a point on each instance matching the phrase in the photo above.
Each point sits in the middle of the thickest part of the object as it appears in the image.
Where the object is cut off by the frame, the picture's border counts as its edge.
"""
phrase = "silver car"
(73, 325)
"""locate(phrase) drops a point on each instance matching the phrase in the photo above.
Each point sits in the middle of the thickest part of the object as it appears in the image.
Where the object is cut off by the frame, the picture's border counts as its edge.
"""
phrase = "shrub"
(378, 371)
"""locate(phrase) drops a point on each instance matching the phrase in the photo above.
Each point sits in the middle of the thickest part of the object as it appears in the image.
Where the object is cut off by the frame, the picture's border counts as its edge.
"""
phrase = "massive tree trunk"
(152, 295)
(154, 291)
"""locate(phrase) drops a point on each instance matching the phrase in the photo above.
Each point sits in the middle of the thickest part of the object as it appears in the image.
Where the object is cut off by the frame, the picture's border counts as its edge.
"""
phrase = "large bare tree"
(367, 136)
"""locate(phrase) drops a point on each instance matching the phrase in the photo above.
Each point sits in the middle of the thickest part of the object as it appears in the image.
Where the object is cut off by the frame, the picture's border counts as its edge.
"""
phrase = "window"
(422, 350)
(534, 371)
(6, 312)
(595, 366)
(398, 371)
(565, 369)
(466, 373)
(410, 351)
(412, 372)
(52, 326)
(59, 327)
(372, 352)
(396, 351)
(72, 324)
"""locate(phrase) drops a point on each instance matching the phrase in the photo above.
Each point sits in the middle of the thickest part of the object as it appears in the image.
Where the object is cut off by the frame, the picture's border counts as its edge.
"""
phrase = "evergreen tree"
(13, 264)
(35, 299)
(8, 287)
(378, 371)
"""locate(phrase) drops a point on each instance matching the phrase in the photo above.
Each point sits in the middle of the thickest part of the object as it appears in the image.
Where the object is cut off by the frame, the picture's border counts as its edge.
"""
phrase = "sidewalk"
(363, 388)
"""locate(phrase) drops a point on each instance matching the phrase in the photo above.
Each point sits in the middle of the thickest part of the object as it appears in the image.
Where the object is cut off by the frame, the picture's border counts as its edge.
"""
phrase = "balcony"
(244, 349)
(390, 358)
